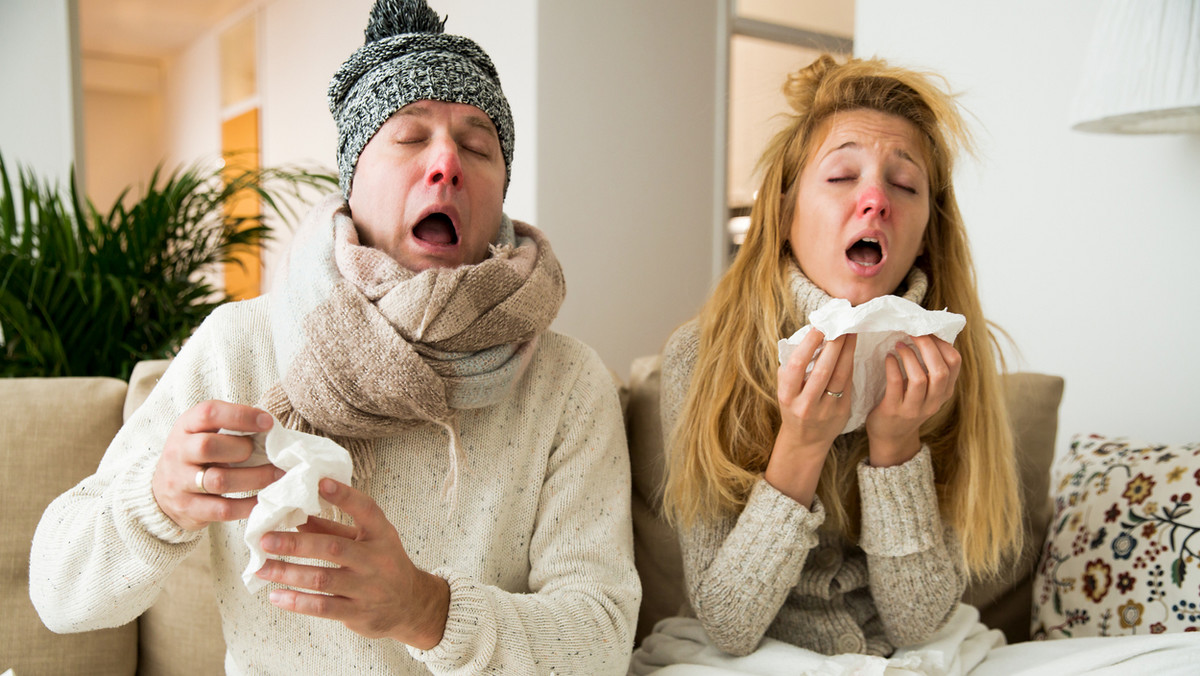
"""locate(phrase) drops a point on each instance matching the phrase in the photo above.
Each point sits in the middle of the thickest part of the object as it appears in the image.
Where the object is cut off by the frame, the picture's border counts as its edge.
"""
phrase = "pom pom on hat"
(408, 57)
(393, 17)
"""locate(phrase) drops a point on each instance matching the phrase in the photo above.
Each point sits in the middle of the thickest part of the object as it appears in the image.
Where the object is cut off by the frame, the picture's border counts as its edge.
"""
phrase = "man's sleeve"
(103, 549)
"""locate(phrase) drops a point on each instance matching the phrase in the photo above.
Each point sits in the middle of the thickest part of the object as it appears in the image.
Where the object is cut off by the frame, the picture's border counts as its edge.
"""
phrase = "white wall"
(193, 104)
(124, 141)
(628, 166)
(1083, 243)
(296, 66)
(39, 79)
(122, 125)
(296, 124)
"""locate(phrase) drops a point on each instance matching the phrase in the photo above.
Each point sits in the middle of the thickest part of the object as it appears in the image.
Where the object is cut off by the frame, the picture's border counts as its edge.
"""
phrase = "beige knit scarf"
(367, 349)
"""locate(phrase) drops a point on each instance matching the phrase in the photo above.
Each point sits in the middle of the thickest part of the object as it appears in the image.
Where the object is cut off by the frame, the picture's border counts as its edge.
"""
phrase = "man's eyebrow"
(474, 121)
(483, 123)
(415, 111)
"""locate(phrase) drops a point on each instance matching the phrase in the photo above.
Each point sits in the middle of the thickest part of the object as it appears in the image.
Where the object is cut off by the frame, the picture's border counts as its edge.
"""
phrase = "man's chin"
(419, 256)
(423, 262)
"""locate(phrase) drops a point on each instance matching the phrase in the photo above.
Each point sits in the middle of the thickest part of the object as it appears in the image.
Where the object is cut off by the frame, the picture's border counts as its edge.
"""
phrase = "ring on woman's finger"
(835, 395)
(200, 480)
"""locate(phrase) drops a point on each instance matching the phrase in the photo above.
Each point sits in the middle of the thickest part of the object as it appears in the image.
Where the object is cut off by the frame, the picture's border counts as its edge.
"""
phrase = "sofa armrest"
(145, 376)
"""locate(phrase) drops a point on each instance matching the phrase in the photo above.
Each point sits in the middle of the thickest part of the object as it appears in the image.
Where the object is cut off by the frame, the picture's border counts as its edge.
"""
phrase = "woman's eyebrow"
(898, 152)
(903, 154)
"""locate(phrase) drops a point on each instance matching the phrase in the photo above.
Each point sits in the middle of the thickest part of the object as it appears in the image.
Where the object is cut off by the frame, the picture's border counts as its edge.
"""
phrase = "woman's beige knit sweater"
(538, 552)
(773, 571)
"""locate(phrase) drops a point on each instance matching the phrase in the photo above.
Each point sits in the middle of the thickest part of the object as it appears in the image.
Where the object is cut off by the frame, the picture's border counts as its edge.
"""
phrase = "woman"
(840, 543)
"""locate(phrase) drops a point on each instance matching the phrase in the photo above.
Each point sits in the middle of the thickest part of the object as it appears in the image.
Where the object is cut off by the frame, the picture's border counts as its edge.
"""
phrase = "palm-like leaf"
(88, 293)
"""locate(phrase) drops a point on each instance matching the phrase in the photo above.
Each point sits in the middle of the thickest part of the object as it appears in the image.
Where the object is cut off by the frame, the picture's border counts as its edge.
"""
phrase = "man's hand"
(374, 588)
(194, 470)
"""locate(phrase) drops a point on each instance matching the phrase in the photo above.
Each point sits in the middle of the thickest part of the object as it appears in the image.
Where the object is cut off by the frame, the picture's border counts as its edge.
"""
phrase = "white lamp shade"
(1142, 74)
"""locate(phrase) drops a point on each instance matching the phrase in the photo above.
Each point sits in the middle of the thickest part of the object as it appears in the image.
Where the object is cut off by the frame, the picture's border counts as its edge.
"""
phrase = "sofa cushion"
(1121, 555)
(52, 435)
(181, 633)
(655, 545)
(1004, 603)
(1033, 400)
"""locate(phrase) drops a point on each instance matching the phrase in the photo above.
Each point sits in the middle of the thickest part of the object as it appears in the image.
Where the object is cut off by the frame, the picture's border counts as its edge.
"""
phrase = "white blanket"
(681, 642)
(964, 647)
(1153, 654)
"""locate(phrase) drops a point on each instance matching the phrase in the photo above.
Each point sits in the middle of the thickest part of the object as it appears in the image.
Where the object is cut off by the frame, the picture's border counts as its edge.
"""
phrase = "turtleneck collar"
(807, 296)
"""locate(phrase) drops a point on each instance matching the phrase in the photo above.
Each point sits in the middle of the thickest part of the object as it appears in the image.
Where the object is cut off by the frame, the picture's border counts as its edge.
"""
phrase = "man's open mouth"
(436, 228)
(866, 252)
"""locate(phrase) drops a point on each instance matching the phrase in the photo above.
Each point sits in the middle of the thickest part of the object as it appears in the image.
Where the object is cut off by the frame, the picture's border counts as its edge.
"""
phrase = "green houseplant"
(89, 293)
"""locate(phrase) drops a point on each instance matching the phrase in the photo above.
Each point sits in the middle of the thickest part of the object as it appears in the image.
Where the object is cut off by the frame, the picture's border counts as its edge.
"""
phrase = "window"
(769, 39)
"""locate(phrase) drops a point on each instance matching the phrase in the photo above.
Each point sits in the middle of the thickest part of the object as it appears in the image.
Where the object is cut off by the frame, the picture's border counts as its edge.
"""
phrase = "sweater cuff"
(899, 507)
(134, 493)
(769, 515)
(470, 629)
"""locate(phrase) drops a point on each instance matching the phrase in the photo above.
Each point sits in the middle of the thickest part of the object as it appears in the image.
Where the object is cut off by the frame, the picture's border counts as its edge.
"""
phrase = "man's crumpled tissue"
(880, 323)
(287, 503)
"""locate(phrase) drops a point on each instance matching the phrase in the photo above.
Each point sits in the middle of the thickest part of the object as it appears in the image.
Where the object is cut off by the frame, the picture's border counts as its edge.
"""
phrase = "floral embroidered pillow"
(1122, 555)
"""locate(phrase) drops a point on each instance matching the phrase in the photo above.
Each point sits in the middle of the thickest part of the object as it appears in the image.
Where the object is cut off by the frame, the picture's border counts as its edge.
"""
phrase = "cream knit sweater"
(773, 571)
(538, 552)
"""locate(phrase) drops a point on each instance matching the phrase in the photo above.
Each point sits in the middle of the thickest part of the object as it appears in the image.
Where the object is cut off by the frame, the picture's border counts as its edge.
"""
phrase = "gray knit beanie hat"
(407, 57)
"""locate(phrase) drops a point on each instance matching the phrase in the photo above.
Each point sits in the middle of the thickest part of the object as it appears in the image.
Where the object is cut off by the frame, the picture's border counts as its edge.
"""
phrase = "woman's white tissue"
(287, 503)
(880, 323)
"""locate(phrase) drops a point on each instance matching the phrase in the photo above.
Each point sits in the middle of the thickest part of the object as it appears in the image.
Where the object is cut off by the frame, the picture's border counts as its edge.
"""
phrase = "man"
(487, 525)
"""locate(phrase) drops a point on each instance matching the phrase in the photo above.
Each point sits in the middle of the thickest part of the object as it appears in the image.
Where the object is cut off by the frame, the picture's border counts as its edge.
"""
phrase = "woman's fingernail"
(264, 421)
(279, 474)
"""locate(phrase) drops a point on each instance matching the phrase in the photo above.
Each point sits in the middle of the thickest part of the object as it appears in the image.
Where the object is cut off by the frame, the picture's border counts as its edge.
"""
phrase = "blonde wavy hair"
(731, 411)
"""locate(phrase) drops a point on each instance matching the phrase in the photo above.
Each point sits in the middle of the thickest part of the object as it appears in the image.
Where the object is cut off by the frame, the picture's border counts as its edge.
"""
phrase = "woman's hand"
(814, 410)
(194, 471)
(374, 588)
(911, 398)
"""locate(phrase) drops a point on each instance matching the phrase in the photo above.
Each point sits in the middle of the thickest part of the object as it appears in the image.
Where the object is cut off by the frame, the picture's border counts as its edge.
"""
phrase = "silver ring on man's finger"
(200, 480)
(835, 395)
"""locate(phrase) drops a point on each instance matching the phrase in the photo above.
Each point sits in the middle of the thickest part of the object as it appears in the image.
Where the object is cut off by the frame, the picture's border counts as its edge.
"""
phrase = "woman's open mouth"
(866, 252)
(436, 228)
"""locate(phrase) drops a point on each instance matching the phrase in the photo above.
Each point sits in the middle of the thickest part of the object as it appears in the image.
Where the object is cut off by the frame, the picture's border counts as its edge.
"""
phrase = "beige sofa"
(54, 432)
(53, 435)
